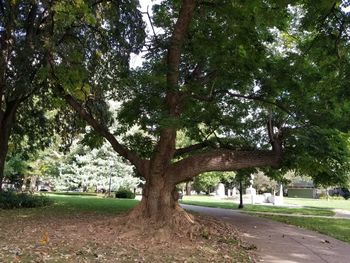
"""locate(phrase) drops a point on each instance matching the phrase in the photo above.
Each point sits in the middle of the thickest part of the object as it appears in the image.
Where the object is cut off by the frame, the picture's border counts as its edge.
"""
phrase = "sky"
(136, 60)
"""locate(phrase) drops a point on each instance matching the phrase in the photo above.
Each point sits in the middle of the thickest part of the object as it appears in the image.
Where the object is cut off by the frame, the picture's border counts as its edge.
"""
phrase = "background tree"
(248, 82)
(262, 183)
(206, 182)
(15, 170)
(242, 181)
(94, 170)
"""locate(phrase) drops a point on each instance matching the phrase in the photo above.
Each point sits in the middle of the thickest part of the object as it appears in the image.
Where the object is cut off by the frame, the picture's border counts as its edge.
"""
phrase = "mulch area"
(101, 238)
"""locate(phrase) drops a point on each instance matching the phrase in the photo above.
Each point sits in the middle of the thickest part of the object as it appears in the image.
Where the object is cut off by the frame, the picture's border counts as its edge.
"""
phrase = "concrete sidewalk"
(280, 243)
(336, 216)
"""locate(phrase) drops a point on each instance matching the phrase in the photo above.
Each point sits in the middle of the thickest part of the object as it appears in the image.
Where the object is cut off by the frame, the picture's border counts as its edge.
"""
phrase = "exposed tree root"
(175, 223)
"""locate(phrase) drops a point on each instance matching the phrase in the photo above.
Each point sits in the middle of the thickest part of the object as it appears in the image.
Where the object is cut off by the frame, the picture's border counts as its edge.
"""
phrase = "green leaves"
(322, 154)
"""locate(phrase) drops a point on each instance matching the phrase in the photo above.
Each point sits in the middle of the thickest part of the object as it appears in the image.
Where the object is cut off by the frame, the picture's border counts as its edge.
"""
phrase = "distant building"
(302, 188)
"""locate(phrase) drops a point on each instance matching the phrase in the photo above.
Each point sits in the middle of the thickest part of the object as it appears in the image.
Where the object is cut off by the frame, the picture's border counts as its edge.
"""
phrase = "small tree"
(242, 181)
(262, 183)
(206, 182)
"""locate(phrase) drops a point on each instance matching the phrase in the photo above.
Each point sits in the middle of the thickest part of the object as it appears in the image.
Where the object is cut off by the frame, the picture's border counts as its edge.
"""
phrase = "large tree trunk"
(159, 203)
(159, 200)
(159, 212)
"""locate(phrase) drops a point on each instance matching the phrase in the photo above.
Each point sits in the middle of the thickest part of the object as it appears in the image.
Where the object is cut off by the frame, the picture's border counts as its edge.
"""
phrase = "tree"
(24, 26)
(94, 169)
(15, 170)
(206, 182)
(262, 183)
(242, 181)
(227, 74)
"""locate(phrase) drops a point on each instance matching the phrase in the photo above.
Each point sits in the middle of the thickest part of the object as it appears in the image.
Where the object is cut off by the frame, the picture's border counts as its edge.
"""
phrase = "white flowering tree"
(96, 169)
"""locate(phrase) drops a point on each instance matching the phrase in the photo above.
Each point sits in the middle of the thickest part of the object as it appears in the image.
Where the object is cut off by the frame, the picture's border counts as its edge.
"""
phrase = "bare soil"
(103, 238)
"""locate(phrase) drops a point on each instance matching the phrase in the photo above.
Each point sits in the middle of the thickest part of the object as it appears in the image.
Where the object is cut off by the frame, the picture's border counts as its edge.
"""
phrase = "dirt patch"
(97, 238)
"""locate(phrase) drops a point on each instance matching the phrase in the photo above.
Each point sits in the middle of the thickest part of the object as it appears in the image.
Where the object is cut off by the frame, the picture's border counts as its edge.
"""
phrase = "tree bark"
(221, 160)
(6, 124)
(188, 187)
(159, 205)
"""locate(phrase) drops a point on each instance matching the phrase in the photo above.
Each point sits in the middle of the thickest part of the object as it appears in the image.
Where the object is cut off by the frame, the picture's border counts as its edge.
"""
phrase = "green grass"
(319, 203)
(73, 193)
(337, 228)
(92, 204)
(229, 204)
(68, 205)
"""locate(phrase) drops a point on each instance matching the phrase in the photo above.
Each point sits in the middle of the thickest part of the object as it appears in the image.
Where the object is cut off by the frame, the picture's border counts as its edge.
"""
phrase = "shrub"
(11, 200)
(124, 193)
(334, 197)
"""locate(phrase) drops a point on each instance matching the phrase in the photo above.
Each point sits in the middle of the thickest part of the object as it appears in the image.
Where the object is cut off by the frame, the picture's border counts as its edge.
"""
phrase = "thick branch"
(221, 160)
(139, 163)
(180, 31)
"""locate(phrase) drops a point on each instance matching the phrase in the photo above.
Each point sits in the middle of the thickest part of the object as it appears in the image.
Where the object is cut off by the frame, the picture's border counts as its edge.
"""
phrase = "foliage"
(263, 183)
(325, 197)
(243, 176)
(11, 200)
(207, 182)
(124, 193)
(24, 125)
(93, 170)
(15, 169)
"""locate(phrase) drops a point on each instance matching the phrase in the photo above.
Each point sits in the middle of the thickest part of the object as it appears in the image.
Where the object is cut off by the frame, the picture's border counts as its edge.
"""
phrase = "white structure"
(251, 190)
(220, 190)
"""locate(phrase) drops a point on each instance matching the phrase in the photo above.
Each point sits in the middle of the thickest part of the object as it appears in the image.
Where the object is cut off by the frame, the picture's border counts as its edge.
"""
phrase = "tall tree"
(246, 80)
(23, 32)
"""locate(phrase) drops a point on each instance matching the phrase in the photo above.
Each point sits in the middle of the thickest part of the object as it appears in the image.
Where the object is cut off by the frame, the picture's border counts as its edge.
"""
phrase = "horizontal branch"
(221, 160)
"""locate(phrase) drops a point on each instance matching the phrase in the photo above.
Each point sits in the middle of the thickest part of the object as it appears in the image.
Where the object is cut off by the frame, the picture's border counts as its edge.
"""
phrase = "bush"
(334, 197)
(11, 200)
(124, 193)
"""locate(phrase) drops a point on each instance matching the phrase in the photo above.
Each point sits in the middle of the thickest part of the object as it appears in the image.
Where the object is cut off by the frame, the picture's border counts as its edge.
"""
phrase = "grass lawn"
(320, 203)
(337, 228)
(68, 205)
(209, 201)
(91, 204)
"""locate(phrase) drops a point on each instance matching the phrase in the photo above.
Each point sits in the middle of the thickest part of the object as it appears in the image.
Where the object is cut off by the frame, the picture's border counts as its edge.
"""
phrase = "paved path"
(338, 215)
(280, 243)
